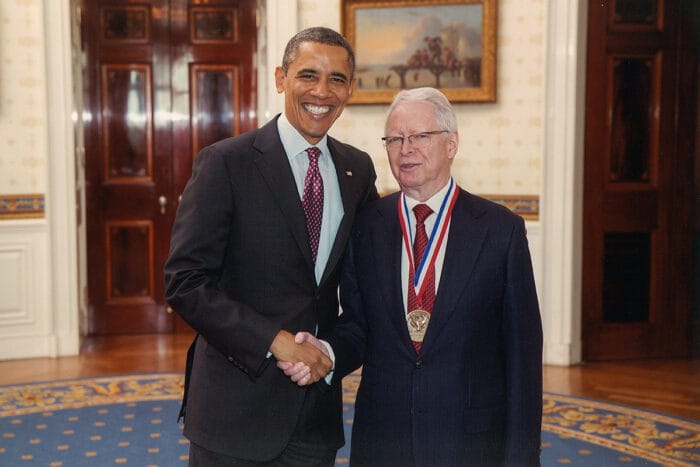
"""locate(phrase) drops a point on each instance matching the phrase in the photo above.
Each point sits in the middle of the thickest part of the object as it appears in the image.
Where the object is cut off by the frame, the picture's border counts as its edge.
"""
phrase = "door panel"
(214, 103)
(126, 117)
(634, 287)
(163, 78)
(213, 81)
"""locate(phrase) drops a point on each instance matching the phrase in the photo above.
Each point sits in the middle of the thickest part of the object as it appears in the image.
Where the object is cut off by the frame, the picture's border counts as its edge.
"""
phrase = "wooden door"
(162, 78)
(638, 179)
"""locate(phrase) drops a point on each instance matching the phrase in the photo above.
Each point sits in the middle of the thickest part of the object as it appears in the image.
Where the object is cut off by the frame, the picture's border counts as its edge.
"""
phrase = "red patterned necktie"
(422, 211)
(312, 200)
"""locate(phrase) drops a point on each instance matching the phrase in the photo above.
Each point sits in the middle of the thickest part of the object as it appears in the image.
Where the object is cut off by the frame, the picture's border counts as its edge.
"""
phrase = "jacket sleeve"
(522, 333)
(201, 234)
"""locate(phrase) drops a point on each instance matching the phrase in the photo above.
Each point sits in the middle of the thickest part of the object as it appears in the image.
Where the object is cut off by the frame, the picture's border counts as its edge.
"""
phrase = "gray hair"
(443, 113)
(319, 35)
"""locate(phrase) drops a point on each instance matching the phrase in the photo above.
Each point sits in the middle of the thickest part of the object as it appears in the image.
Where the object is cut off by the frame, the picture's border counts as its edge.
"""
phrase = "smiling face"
(317, 85)
(421, 172)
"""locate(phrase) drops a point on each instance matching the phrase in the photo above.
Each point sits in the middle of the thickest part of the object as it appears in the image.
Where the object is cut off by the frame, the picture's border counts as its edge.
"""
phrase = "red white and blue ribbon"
(437, 235)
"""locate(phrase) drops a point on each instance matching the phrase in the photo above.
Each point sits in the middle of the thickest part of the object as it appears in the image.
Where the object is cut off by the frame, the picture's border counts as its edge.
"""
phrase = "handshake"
(302, 357)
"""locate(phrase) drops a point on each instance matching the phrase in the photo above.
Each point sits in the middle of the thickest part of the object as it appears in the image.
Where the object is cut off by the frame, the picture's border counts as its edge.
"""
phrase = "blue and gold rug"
(130, 420)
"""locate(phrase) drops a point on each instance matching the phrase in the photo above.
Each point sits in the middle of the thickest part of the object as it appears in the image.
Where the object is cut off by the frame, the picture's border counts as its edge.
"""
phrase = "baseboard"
(14, 347)
(561, 354)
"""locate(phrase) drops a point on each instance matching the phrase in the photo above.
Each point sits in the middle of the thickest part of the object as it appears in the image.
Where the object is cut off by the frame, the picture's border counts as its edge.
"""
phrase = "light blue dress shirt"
(295, 146)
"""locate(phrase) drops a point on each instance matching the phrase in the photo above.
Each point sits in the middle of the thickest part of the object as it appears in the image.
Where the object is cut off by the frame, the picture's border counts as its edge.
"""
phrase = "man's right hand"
(299, 372)
(313, 362)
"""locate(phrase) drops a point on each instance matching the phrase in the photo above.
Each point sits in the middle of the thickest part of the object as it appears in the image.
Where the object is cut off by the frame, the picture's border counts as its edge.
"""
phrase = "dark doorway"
(638, 179)
(162, 79)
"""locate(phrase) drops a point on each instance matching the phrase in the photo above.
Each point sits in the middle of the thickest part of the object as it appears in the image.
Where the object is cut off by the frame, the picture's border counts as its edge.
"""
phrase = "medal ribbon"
(437, 235)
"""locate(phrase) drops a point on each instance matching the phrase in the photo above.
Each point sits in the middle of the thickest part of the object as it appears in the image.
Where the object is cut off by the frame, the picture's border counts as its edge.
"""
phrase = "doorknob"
(163, 201)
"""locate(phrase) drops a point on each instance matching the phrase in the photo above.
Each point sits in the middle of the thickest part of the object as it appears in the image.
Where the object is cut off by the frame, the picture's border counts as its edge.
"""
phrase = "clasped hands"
(302, 357)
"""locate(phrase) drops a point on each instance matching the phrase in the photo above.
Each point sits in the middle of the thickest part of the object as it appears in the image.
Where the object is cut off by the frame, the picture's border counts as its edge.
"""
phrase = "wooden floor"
(669, 386)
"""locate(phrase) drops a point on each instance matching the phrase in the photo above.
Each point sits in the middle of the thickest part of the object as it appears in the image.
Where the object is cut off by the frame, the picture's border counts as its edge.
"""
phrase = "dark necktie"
(312, 200)
(422, 211)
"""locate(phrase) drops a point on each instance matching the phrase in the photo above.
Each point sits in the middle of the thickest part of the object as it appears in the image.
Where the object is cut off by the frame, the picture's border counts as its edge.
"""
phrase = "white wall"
(38, 247)
(23, 100)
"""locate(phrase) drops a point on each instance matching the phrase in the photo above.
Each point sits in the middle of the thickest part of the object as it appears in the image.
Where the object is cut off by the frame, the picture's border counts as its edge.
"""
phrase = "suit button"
(230, 359)
(419, 363)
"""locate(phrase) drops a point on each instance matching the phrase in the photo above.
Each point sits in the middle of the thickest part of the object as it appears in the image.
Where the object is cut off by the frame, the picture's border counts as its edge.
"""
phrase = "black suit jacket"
(239, 270)
(473, 395)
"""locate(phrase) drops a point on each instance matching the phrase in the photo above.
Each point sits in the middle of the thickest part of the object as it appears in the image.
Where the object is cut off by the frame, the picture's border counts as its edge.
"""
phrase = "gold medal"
(418, 324)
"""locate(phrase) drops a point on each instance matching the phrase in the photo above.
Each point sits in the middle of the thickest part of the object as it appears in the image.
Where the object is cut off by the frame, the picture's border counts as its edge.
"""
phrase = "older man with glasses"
(440, 309)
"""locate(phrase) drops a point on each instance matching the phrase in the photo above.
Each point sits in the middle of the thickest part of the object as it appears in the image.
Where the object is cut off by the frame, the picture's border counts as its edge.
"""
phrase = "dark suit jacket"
(473, 396)
(239, 270)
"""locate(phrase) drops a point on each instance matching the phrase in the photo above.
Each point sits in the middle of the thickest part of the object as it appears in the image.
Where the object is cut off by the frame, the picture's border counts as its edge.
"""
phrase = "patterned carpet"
(130, 420)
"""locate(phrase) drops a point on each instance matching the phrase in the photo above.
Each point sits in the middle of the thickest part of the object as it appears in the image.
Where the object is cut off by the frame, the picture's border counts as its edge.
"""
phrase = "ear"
(452, 144)
(280, 76)
(353, 82)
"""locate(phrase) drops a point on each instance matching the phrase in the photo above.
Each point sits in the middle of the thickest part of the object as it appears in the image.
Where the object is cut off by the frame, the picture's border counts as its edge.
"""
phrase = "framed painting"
(402, 44)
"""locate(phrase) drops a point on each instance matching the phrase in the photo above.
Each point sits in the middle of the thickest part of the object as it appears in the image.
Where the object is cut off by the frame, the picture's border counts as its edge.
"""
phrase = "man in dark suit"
(439, 306)
(254, 258)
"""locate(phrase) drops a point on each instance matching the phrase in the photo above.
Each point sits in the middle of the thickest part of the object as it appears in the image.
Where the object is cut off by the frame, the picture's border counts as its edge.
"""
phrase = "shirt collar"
(295, 144)
(434, 201)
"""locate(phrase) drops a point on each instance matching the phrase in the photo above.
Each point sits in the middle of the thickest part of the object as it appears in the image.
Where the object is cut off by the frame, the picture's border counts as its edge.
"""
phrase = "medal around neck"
(418, 319)
(418, 324)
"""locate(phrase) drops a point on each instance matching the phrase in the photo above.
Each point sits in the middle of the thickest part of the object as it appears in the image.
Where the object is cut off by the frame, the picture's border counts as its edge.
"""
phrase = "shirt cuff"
(331, 355)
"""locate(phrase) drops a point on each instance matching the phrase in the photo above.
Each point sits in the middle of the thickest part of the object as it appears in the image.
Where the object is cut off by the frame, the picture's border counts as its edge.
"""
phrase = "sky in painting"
(391, 35)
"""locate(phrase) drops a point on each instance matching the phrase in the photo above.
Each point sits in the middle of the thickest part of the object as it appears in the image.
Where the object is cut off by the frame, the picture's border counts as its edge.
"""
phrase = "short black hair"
(322, 36)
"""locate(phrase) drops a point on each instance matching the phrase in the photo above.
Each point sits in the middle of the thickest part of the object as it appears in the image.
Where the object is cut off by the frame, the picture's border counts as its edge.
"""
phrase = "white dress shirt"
(434, 202)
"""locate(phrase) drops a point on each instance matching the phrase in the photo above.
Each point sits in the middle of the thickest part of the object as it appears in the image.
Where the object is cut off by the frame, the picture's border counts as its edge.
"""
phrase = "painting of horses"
(447, 44)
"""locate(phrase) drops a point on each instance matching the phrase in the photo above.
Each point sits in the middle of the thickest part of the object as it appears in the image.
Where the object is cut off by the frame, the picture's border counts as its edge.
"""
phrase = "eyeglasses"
(417, 140)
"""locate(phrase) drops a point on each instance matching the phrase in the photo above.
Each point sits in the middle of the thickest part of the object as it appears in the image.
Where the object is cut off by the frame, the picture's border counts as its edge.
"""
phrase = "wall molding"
(527, 206)
(62, 209)
(278, 23)
(562, 193)
(22, 206)
(25, 322)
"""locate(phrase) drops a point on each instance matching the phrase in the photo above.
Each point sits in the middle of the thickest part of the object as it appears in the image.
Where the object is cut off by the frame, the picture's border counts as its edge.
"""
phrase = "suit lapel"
(273, 164)
(387, 249)
(466, 238)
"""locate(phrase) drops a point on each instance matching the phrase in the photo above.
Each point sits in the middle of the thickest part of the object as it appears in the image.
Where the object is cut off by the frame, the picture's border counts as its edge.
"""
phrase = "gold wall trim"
(24, 206)
(31, 206)
(527, 206)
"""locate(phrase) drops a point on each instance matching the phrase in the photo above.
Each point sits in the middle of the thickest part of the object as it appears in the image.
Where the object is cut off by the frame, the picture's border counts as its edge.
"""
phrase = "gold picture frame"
(399, 44)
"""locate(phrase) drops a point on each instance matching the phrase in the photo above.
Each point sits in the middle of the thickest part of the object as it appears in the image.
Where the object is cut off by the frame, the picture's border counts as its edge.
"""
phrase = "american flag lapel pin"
(348, 173)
